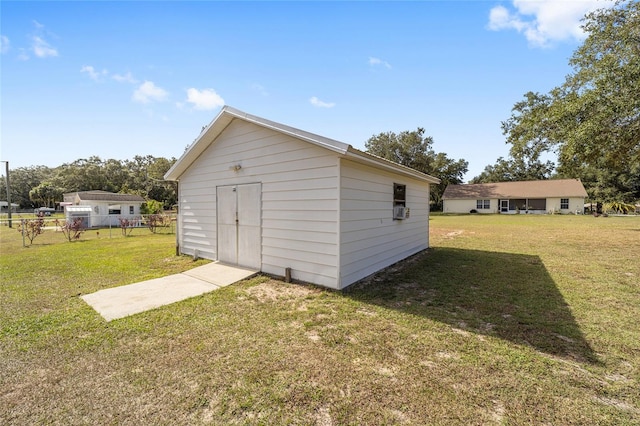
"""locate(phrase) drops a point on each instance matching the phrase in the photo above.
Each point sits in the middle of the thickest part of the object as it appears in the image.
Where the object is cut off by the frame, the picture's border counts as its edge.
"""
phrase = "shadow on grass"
(510, 296)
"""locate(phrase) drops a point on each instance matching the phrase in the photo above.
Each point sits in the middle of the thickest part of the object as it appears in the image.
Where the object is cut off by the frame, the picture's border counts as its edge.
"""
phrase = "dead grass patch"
(272, 291)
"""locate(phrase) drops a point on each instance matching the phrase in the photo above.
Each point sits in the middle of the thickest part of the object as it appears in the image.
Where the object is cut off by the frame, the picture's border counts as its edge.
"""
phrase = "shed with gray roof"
(102, 208)
(264, 195)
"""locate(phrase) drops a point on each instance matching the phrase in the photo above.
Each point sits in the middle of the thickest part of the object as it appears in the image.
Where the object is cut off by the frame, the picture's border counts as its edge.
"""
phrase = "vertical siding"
(299, 199)
(370, 239)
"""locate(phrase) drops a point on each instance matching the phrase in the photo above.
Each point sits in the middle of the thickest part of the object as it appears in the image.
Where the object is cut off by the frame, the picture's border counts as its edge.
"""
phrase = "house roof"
(521, 189)
(228, 114)
(105, 196)
(78, 208)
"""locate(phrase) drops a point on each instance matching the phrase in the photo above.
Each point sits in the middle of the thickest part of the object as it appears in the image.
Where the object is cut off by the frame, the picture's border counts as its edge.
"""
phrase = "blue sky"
(119, 79)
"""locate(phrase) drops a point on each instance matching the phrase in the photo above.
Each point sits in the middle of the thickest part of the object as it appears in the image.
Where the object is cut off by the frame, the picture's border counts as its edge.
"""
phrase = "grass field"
(506, 320)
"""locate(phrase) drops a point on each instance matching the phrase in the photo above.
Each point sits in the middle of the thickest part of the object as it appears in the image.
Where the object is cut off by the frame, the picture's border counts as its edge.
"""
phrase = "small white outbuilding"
(263, 195)
(101, 208)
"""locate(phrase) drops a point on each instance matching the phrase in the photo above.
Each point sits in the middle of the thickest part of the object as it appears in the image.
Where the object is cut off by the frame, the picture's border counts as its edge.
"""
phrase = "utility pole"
(8, 193)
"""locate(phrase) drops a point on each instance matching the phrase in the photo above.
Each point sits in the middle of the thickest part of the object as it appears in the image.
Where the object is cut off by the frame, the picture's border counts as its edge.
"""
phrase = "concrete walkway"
(119, 302)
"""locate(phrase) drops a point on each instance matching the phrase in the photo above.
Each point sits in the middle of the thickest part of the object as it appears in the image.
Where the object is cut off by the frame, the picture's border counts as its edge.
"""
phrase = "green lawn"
(506, 320)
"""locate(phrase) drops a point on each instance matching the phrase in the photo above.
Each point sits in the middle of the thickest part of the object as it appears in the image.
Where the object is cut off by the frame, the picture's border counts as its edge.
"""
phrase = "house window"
(130, 209)
(399, 200)
(483, 204)
(564, 203)
(114, 209)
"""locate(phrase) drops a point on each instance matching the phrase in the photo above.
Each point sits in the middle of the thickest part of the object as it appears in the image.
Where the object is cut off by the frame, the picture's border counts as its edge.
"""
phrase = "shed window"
(115, 209)
(483, 204)
(130, 209)
(399, 195)
(399, 202)
(564, 203)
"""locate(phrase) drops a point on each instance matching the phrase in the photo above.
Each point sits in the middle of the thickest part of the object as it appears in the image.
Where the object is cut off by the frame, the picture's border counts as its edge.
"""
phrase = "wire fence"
(30, 226)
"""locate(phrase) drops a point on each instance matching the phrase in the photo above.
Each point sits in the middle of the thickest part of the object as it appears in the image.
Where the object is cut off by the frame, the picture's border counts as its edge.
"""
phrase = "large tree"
(515, 169)
(593, 119)
(414, 149)
(47, 194)
(22, 181)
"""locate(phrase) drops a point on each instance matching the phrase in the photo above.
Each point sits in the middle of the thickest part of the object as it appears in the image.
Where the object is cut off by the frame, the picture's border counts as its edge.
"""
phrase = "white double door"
(239, 225)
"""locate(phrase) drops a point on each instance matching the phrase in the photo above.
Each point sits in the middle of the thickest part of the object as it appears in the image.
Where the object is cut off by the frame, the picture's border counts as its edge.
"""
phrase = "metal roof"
(228, 114)
(104, 196)
(520, 189)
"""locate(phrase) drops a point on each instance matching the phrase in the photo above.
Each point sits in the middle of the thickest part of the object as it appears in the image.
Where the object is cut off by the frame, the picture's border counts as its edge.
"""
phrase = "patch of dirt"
(271, 291)
(620, 405)
(312, 335)
(447, 355)
(497, 414)
(446, 234)
(323, 417)
(616, 378)
(451, 235)
(385, 371)
(400, 417)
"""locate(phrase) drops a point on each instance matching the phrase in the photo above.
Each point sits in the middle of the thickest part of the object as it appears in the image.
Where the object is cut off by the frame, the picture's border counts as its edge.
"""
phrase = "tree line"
(41, 186)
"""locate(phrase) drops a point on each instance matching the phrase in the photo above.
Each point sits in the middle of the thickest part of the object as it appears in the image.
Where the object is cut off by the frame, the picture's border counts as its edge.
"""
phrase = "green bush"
(151, 207)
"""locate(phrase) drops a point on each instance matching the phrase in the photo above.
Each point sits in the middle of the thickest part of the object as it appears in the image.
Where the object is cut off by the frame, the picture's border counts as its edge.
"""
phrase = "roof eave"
(366, 158)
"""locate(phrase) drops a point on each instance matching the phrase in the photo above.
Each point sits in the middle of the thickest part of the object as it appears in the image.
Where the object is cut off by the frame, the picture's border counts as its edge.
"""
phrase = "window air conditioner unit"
(399, 212)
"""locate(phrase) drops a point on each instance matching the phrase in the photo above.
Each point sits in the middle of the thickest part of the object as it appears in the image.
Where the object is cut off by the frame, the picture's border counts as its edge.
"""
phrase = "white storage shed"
(259, 194)
(101, 208)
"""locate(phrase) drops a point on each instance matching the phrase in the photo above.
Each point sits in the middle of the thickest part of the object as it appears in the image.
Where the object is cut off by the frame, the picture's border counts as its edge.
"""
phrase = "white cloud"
(124, 78)
(41, 48)
(149, 92)
(378, 62)
(318, 103)
(4, 44)
(204, 99)
(93, 74)
(544, 21)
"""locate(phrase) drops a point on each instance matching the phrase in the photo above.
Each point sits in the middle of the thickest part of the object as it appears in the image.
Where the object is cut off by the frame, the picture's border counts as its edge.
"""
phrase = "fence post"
(8, 195)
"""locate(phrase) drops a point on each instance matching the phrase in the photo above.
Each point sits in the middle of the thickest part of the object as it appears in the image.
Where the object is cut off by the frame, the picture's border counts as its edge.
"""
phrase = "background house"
(540, 196)
(4, 206)
(263, 195)
(101, 208)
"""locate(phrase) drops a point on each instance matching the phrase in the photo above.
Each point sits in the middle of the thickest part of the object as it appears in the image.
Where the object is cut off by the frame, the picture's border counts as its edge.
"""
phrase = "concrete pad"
(119, 302)
(220, 274)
